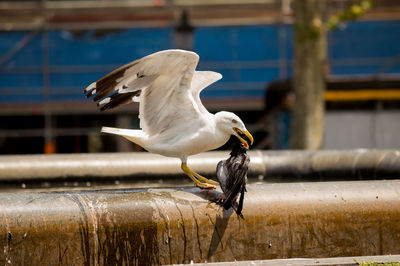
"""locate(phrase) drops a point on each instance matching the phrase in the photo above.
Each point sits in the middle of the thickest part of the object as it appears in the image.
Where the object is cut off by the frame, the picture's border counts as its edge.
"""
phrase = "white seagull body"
(173, 120)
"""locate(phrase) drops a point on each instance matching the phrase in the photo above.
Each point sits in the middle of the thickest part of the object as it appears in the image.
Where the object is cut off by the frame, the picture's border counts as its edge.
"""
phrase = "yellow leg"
(193, 176)
(205, 180)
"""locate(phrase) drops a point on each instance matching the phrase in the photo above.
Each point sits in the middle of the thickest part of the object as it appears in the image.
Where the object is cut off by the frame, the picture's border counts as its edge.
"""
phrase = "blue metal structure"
(57, 65)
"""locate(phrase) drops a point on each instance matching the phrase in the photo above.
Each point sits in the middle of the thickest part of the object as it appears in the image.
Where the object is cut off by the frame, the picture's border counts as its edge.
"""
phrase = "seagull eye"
(234, 121)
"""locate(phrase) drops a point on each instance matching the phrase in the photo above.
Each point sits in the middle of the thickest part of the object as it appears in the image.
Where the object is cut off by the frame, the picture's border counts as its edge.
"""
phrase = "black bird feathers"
(232, 176)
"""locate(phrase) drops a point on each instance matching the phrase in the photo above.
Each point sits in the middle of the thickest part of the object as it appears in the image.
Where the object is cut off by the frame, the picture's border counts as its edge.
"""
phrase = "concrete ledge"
(345, 261)
(167, 226)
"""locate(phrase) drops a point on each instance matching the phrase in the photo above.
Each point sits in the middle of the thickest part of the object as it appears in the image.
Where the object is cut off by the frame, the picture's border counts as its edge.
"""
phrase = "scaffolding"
(36, 21)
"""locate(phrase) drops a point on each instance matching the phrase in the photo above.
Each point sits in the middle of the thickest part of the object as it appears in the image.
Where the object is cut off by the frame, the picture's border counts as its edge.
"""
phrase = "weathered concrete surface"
(166, 226)
(337, 261)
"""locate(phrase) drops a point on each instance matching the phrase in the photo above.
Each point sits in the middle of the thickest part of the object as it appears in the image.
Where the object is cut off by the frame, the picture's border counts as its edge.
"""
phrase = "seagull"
(173, 120)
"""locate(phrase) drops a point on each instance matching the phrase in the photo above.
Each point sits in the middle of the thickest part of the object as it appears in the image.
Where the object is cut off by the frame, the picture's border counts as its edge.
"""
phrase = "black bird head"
(237, 148)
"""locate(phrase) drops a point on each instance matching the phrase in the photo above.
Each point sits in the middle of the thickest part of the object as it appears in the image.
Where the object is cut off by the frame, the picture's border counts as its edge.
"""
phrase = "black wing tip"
(116, 100)
(103, 108)
(234, 205)
(89, 92)
(227, 206)
(102, 105)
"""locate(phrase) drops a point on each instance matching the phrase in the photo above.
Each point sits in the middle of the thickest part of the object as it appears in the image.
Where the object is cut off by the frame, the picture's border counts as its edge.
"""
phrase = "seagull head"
(233, 125)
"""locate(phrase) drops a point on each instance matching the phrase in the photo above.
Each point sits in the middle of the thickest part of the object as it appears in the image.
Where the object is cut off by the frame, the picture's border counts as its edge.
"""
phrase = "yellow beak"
(247, 134)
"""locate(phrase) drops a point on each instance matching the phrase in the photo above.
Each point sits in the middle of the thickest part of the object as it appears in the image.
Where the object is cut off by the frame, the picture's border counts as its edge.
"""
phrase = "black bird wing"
(236, 180)
(241, 200)
(222, 175)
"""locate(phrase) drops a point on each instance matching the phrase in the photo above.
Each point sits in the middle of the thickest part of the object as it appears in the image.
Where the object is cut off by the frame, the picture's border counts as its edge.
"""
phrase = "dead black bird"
(232, 177)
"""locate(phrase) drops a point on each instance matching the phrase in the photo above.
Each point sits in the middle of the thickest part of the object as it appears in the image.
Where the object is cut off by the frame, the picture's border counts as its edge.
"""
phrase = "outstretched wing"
(201, 80)
(161, 81)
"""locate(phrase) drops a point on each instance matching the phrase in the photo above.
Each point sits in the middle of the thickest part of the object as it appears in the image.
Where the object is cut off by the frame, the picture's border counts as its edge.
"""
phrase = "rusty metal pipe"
(273, 165)
(165, 226)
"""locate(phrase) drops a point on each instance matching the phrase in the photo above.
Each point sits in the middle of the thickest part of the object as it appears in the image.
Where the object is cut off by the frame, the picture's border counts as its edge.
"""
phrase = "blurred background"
(51, 50)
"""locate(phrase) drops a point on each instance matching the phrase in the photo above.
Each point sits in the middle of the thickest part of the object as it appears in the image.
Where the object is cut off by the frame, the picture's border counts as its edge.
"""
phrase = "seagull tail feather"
(135, 135)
